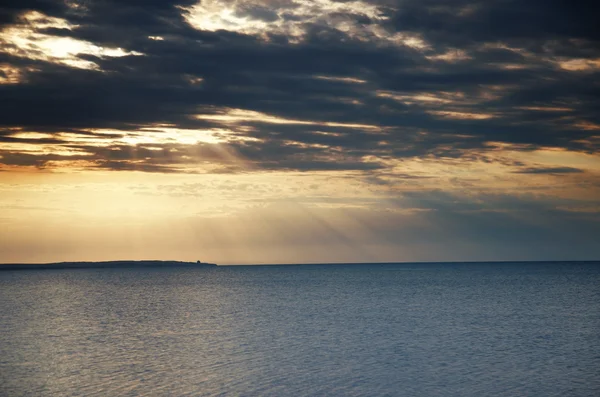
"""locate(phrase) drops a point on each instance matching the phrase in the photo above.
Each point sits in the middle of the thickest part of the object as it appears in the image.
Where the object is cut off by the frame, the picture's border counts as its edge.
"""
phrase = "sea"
(436, 329)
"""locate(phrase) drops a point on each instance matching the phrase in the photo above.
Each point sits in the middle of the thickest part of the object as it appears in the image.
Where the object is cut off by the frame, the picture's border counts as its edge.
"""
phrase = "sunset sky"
(292, 131)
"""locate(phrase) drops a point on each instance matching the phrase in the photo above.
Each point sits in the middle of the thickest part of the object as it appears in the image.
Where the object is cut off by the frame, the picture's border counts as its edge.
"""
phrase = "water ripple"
(455, 330)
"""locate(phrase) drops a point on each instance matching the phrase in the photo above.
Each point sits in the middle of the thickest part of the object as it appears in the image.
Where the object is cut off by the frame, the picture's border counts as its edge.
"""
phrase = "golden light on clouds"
(588, 126)
(580, 65)
(446, 100)
(10, 74)
(352, 80)
(449, 114)
(554, 157)
(26, 40)
(547, 108)
(241, 115)
(420, 98)
(291, 19)
(139, 149)
(451, 56)
(169, 134)
(258, 17)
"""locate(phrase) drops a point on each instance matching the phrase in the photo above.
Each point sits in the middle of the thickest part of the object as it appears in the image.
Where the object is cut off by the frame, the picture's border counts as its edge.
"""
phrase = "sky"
(294, 131)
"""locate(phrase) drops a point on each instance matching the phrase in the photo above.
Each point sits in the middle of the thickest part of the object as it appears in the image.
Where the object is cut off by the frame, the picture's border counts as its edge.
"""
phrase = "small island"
(102, 265)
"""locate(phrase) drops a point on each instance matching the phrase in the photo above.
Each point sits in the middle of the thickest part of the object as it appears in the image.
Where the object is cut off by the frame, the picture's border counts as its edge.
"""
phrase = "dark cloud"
(257, 12)
(11, 10)
(468, 21)
(550, 170)
(211, 157)
(509, 72)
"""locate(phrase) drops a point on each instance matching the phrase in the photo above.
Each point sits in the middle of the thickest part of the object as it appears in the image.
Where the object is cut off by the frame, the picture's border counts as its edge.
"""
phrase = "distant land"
(101, 265)
(198, 264)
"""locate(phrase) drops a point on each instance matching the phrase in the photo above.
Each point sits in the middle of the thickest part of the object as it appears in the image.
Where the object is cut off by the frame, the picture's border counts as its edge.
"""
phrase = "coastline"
(103, 265)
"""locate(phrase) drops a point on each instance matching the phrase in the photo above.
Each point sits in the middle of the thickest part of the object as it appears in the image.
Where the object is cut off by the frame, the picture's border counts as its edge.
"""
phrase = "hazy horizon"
(167, 261)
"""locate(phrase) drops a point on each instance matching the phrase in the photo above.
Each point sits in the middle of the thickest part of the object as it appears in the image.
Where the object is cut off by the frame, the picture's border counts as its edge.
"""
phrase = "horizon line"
(307, 263)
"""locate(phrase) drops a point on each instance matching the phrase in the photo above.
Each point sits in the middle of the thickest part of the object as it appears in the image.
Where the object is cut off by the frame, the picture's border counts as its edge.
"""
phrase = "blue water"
(352, 330)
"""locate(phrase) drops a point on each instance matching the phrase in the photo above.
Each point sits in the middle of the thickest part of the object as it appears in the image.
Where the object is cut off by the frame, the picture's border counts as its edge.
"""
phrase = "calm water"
(362, 330)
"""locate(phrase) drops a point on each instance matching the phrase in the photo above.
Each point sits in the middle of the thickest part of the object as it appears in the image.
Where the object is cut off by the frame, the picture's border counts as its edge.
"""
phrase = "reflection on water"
(432, 330)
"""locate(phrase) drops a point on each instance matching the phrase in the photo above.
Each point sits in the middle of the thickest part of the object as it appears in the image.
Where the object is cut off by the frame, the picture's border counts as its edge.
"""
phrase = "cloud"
(497, 20)
(321, 85)
(550, 170)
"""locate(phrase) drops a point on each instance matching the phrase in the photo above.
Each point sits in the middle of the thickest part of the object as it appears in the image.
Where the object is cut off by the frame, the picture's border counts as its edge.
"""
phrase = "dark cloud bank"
(509, 66)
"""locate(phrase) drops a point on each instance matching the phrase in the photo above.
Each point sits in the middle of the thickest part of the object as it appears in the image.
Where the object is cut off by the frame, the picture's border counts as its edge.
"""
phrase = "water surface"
(343, 330)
